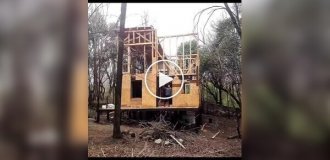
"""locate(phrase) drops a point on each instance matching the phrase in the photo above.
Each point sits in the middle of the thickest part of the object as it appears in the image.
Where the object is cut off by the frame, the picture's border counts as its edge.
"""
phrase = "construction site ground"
(101, 143)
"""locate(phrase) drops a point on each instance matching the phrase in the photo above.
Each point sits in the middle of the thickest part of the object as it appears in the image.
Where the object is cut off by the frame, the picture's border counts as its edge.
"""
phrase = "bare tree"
(234, 13)
(235, 18)
(145, 19)
(226, 76)
(102, 47)
(117, 116)
(93, 9)
(220, 68)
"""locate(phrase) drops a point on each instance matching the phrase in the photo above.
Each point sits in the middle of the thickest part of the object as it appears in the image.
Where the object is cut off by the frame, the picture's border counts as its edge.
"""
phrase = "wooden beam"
(163, 57)
(129, 38)
(145, 38)
(190, 57)
(146, 30)
(128, 59)
(215, 135)
(136, 44)
(152, 47)
(177, 141)
(133, 37)
(144, 59)
(183, 61)
(180, 35)
(139, 39)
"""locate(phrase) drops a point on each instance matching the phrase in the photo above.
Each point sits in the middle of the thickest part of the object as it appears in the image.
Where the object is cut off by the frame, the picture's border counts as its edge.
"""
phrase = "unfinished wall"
(190, 100)
(147, 100)
(126, 90)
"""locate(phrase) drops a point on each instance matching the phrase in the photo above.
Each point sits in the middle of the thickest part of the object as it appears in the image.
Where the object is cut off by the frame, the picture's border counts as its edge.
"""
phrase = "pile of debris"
(156, 130)
(161, 132)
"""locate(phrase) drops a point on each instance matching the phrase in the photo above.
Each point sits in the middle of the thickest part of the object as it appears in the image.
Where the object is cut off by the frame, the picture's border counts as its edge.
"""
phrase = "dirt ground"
(101, 143)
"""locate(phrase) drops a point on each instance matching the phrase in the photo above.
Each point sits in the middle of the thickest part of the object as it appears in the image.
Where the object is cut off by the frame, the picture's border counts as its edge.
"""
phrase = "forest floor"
(101, 143)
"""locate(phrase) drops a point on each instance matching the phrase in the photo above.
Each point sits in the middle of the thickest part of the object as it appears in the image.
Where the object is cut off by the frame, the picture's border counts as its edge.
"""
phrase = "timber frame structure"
(142, 48)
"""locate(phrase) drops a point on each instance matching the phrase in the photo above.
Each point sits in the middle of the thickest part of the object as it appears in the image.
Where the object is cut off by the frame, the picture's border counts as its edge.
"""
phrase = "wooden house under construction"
(143, 48)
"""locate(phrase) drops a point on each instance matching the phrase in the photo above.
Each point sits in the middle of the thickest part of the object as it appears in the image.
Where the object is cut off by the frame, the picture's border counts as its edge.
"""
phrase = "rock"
(125, 132)
(167, 142)
(180, 140)
(158, 141)
(132, 134)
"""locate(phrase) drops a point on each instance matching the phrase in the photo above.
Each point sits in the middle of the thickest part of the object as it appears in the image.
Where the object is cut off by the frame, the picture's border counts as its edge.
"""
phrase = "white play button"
(163, 79)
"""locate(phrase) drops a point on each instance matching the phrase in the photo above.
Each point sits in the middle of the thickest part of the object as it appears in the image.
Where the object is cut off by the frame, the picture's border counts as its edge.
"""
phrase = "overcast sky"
(167, 18)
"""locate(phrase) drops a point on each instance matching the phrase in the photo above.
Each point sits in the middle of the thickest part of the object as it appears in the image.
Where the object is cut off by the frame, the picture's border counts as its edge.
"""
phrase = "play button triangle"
(164, 79)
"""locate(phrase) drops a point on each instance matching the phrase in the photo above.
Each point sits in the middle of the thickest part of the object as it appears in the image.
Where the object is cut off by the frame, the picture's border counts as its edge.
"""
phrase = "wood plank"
(137, 44)
(177, 141)
(179, 35)
(215, 135)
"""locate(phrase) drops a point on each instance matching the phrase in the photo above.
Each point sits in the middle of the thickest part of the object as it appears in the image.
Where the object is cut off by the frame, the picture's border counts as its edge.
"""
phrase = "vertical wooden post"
(129, 58)
(177, 50)
(156, 50)
(164, 57)
(183, 61)
(129, 37)
(139, 39)
(144, 58)
(152, 45)
(189, 56)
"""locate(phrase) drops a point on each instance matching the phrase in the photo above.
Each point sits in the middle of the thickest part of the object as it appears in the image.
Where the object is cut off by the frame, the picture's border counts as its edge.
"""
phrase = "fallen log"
(215, 135)
(177, 141)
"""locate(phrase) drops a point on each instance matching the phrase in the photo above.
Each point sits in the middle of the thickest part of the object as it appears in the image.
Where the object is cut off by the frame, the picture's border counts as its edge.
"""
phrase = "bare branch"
(234, 21)
(94, 11)
(199, 14)
(208, 21)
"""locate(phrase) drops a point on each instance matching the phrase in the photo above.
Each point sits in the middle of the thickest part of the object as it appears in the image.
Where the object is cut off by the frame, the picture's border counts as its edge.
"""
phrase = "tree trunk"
(234, 21)
(238, 121)
(95, 72)
(112, 82)
(117, 116)
(220, 96)
(98, 94)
